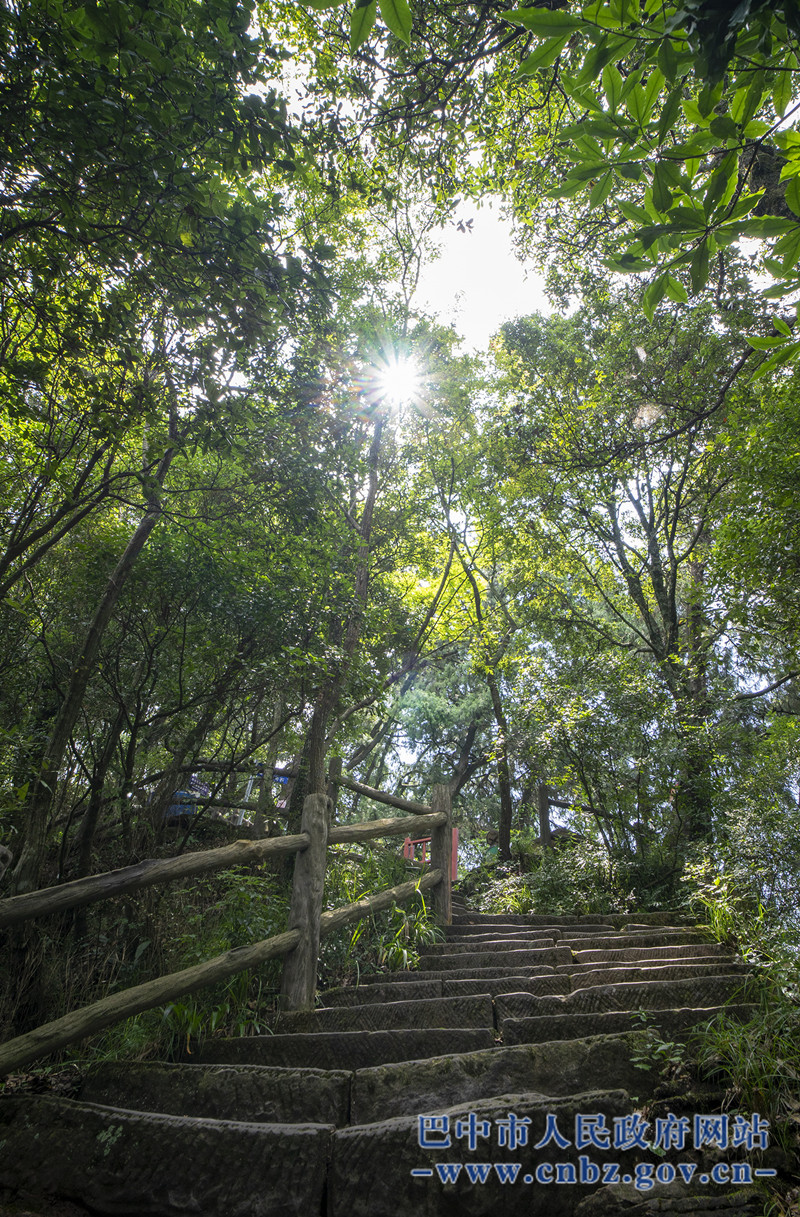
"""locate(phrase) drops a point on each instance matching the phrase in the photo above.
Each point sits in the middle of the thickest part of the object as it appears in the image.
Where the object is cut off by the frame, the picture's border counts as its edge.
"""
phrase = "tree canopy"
(238, 557)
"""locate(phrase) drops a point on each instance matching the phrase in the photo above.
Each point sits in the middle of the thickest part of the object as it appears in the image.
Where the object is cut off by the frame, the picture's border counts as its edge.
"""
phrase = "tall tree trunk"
(695, 795)
(27, 871)
(329, 694)
(503, 770)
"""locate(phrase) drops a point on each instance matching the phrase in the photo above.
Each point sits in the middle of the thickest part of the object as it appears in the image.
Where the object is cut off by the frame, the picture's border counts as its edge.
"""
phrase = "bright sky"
(477, 283)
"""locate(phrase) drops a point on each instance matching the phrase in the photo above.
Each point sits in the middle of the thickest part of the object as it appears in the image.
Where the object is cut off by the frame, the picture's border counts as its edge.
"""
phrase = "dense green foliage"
(559, 576)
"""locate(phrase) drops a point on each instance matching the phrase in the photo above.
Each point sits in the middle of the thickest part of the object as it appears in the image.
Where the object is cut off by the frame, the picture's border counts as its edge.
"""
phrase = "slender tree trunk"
(503, 770)
(543, 803)
(328, 696)
(27, 872)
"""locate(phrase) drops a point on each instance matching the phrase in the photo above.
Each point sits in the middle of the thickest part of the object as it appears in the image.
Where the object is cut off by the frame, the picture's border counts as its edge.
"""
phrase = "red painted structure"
(410, 846)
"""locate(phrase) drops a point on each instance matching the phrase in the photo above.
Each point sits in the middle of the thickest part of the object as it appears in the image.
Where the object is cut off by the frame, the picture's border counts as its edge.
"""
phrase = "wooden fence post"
(299, 980)
(442, 856)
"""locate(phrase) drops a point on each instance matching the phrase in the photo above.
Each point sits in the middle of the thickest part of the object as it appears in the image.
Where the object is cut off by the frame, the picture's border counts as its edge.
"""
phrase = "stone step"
(587, 976)
(561, 1068)
(464, 1011)
(631, 953)
(592, 919)
(730, 962)
(540, 985)
(348, 1050)
(371, 1169)
(630, 995)
(491, 944)
(132, 1162)
(359, 995)
(467, 973)
(540, 1029)
(512, 960)
(472, 933)
(255, 1094)
(673, 1200)
(641, 938)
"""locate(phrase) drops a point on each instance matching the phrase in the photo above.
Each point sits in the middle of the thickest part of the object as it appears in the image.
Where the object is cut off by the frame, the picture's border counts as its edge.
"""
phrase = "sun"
(398, 381)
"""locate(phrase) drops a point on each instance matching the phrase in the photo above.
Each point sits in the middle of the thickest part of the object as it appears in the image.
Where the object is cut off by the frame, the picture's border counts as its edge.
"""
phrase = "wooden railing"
(307, 923)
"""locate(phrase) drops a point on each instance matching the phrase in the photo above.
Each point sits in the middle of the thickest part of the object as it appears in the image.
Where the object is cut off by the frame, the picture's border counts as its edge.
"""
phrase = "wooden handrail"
(367, 905)
(114, 1009)
(300, 942)
(79, 1024)
(391, 800)
(143, 874)
(365, 830)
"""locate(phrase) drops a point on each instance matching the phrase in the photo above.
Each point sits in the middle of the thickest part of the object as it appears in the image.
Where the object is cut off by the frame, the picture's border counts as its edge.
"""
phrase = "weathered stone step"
(595, 919)
(348, 1050)
(512, 960)
(466, 1011)
(584, 977)
(491, 944)
(628, 953)
(127, 1162)
(561, 1068)
(472, 933)
(717, 959)
(466, 973)
(540, 985)
(539, 1029)
(359, 995)
(251, 1093)
(674, 1200)
(641, 938)
(370, 1173)
(630, 995)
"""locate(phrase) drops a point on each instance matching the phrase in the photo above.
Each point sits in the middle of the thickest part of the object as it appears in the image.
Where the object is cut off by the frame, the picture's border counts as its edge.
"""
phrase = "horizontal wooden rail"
(392, 800)
(119, 1006)
(151, 871)
(368, 905)
(365, 830)
(143, 874)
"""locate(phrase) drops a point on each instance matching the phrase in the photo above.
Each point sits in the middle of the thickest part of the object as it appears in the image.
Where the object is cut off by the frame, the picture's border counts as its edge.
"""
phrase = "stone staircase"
(512, 1018)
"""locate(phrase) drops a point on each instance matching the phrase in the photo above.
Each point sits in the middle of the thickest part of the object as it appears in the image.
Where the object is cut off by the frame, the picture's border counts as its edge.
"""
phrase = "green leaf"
(668, 59)
(722, 183)
(747, 100)
(676, 291)
(397, 15)
(724, 126)
(669, 113)
(788, 250)
(612, 85)
(781, 326)
(782, 91)
(603, 52)
(362, 20)
(636, 215)
(653, 296)
(572, 184)
(793, 194)
(601, 190)
(788, 354)
(698, 268)
(545, 22)
(765, 344)
(767, 226)
(693, 113)
(544, 55)
(642, 99)
(662, 180)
